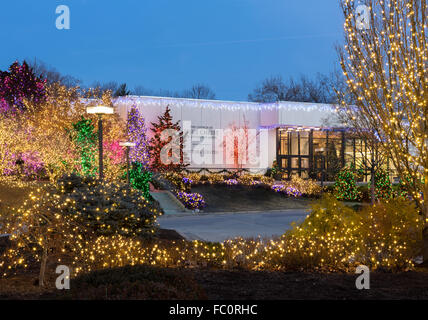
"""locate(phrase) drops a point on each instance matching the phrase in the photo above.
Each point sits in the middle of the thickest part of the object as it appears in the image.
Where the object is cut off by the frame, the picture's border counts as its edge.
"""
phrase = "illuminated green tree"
(85, 140)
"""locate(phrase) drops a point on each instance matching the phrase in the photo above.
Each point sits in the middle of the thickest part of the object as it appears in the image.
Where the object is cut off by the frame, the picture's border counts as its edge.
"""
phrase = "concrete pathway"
(221, 226)
(169, 203)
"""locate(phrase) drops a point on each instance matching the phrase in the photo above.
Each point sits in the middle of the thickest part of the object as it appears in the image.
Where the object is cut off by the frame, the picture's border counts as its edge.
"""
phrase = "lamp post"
(128, 145)
(100, 111)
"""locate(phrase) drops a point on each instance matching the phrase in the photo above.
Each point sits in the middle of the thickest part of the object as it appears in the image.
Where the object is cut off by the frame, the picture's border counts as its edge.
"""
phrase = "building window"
(294, 143)
(319, 142)
(283, 149)
(304, 143)
(313, 153)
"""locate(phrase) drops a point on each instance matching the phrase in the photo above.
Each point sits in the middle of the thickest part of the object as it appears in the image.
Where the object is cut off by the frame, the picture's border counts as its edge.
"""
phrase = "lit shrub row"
(336, 237)
(295, 187)
(217, 178)
(332, 238)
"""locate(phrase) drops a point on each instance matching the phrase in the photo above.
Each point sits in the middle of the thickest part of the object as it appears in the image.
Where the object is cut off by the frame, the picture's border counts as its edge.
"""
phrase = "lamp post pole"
(100, 146)
(99, 111)
(127, 145)
(127, 164)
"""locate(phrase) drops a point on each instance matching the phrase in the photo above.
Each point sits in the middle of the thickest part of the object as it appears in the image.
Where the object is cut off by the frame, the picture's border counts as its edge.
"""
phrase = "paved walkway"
(169, 204)
(221, 226)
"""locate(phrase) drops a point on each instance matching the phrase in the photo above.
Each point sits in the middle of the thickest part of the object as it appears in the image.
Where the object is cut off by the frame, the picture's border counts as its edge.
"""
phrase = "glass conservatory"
(318, 153)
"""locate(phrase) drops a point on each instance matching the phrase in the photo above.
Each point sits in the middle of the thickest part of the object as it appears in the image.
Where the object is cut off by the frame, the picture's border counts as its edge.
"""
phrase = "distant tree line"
(319, 89)
(197, 91)
(52, 75)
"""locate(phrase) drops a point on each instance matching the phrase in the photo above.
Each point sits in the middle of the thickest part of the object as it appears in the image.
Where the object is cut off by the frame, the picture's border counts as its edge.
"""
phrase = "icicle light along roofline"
(290, 128)
(224, 105)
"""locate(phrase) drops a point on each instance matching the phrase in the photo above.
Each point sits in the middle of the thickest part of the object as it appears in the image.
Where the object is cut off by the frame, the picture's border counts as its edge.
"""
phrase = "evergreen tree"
(345, 187)
(383, 186)
(85, 138)
(122, 91)
(140, 179)
(158, 142)
(137, 133)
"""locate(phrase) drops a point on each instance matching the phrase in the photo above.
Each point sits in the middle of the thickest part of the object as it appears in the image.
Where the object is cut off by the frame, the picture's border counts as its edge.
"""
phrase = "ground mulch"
(237, 285)
(242, 285)
(169, 235)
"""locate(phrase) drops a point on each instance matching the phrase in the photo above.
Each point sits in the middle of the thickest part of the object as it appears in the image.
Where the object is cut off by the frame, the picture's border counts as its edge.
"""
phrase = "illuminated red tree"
(237, 142)
(167, 142)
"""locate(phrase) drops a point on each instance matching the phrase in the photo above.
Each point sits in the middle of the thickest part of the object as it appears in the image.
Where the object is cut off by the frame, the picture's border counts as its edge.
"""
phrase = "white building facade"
(293, 135)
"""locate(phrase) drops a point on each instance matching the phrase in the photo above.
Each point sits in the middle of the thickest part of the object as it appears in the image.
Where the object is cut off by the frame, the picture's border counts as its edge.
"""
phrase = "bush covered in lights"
(306, 187)
(66, 218)
(383, 185)
(192, 201)
(26, 165)
(109, 208)
(231, 182)
(298, 187)
(177, 181)
(345, 187)
(289, 191)
(187, 181)
(213, 178)
(332, 238)
(140, 179)
(335, 237)
(37, 229)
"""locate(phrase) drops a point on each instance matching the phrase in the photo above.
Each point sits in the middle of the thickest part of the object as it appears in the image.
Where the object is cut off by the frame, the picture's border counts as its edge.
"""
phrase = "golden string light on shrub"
(44, 129)
(63, 219)
(307, 187)
(385, 66)
(332, 238)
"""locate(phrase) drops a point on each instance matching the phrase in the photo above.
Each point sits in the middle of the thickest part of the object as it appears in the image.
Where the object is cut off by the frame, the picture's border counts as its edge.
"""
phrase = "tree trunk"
(425, 231)
(43, 267)
(425, 245)
(372, 187)
(425, 216)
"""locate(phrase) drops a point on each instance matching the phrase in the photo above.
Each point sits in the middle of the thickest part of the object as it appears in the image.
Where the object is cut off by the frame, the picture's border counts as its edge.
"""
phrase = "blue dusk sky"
(229, 45)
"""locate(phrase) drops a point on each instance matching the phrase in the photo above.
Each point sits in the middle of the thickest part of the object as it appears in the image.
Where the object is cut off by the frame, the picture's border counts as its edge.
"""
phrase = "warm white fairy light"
(385, 67)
